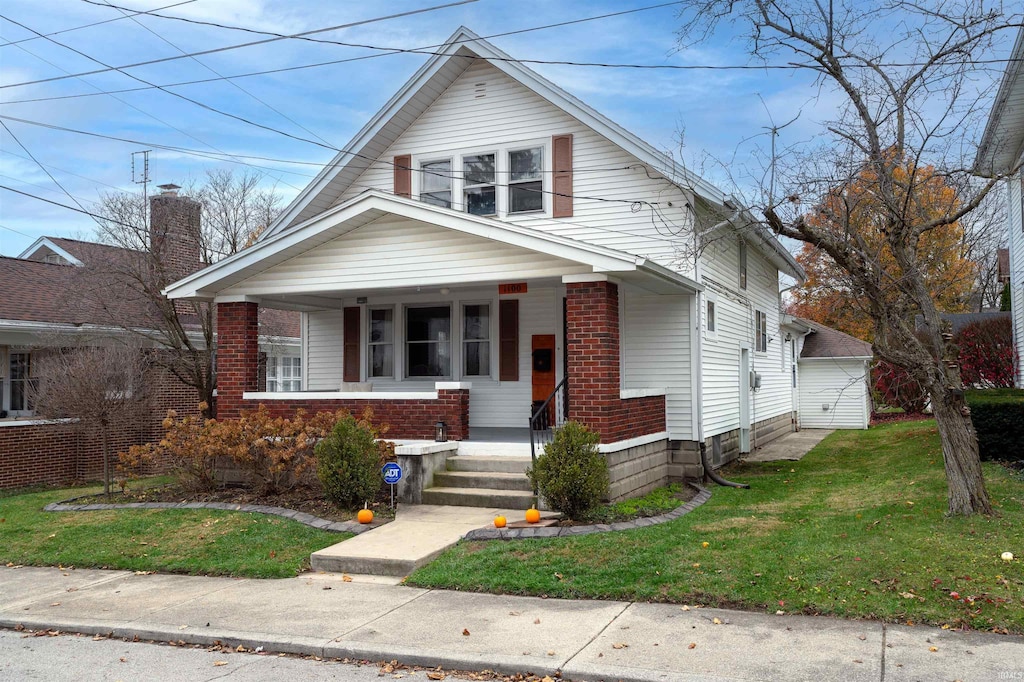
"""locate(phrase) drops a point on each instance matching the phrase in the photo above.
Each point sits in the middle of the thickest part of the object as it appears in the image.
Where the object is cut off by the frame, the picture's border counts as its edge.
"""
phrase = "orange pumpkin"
(364, 516)
(532, 515)
(499, 521)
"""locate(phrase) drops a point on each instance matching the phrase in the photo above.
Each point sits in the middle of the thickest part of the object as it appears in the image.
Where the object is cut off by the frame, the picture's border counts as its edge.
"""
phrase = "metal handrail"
(542, 416)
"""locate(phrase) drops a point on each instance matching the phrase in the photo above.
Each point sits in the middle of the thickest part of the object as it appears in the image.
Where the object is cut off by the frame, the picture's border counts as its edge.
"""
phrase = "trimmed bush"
(998, 416)
(348, 462)
(571, 474)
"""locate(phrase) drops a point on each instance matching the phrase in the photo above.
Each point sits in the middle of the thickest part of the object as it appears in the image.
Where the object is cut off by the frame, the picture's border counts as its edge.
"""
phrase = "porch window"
(476, 340)
(479, 188)
(20, 373)
(761, 332)
(428, 341)
(284, 373)
(525, 187)
(436, 183)
(382, 343)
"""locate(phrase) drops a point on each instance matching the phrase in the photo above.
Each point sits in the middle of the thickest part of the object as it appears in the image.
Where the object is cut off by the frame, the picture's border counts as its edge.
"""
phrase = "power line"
(278, 36)
(95, 216)
(95, 23)
(66, 171)
(11, 229)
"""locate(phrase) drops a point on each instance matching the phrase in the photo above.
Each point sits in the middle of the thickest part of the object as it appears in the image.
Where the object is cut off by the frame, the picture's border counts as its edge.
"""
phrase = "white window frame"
(743, 274)
(711, 319)
(420, 163)
(463, 341)
(277, 364)
(760, 331)
(509, 183)
(496, 184)
(394, 343)
(7, 381)
(453, 320)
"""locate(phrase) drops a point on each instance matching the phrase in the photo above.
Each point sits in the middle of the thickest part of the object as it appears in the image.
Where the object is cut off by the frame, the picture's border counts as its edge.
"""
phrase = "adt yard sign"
(392, 473)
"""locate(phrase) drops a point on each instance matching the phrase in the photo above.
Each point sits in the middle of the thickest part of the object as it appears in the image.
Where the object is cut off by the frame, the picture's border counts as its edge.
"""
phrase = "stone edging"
(353, 527)
(703, 495)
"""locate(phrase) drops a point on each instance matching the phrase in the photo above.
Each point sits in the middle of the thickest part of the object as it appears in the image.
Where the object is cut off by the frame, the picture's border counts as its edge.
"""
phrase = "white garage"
(834, 380)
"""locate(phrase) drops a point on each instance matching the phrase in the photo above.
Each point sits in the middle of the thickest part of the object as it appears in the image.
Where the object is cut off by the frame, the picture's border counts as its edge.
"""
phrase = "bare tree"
(126, 284)
(913, 92)
(102, 387)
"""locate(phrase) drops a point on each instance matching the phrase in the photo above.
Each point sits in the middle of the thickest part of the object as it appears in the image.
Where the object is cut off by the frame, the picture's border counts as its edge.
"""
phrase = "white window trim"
(5, 381)
(275, 361)
(501, 162)
(710, 334)
(489, 340)
(757, 332)
(454, 318)
(366, 343)
(544, 163)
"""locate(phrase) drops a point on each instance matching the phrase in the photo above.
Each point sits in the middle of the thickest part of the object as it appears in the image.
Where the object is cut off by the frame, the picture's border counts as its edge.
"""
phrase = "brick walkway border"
(353, 527)
(702, 496)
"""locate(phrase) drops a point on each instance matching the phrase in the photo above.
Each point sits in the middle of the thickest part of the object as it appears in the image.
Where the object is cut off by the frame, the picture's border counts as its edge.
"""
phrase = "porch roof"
(561, 255)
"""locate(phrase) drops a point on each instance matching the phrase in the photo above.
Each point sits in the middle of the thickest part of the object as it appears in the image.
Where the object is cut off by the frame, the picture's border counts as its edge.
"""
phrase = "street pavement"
(328, 616)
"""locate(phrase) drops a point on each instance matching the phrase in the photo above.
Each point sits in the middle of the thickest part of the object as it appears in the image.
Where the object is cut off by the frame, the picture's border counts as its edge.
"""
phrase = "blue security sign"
(392, 473)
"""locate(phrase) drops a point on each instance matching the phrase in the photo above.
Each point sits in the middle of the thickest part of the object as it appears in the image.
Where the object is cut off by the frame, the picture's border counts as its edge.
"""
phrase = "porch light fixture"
(441, 432)
(445, 291)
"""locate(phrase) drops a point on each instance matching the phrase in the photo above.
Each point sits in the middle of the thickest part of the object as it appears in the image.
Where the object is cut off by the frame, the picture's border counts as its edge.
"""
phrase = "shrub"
(987, 356)
(571, 474)
(896, 388)
(998, 416)
(275, 454)
(349, 461)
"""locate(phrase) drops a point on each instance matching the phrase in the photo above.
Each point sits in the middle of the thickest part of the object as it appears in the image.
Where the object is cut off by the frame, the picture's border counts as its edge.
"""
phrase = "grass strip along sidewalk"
(855, 529)
(197, 542)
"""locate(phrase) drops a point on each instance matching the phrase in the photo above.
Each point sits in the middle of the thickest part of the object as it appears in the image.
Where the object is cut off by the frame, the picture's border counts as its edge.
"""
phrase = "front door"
(542, 376)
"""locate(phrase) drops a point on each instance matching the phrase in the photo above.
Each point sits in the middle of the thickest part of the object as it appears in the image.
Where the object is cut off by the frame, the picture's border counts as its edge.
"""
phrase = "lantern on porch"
(441, 432)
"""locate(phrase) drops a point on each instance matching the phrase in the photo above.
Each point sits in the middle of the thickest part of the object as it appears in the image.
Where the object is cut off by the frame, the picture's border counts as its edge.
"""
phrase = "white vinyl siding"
(392, 252)
(1015, 219)
(322, 343)
(839, 384)
(655, 333)
(503, 114)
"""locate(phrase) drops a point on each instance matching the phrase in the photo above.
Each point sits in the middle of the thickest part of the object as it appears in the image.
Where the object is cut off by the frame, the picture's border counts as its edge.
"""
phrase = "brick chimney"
(174, 223)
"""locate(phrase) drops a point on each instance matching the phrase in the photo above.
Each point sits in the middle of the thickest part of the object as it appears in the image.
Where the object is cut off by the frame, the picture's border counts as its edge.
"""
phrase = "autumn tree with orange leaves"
(831, 296)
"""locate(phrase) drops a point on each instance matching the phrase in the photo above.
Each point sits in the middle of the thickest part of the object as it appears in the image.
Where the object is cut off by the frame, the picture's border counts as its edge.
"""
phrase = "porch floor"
(509, 442)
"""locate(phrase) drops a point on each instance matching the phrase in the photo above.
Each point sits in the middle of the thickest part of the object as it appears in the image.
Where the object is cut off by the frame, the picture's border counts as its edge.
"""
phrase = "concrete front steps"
(482, 481)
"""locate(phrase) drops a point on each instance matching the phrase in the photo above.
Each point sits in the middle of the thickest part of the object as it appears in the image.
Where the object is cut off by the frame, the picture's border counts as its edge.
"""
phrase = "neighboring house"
(487, 238)
(833, 383)
(957, 321)
(42, 307)
(1001, 150)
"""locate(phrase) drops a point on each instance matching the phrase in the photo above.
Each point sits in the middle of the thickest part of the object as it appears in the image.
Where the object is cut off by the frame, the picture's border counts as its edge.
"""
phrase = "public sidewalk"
(322, 614)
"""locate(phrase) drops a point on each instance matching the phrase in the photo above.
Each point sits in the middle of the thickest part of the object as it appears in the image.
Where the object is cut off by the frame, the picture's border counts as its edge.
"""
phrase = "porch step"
(493, 480)
(479, 497)
(483, 463)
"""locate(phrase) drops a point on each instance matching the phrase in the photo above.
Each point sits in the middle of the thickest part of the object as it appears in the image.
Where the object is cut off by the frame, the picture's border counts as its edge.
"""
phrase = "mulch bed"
(307, 500)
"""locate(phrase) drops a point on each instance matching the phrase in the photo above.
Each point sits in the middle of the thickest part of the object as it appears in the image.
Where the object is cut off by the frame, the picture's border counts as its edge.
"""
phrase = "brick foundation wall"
(405, 419)
(593, 335)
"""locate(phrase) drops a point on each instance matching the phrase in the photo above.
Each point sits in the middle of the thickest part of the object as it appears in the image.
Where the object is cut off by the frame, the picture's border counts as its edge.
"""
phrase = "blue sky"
(712, 112)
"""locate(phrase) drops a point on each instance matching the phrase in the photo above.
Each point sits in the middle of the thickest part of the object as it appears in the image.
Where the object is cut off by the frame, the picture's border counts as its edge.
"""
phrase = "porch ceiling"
(379, 241)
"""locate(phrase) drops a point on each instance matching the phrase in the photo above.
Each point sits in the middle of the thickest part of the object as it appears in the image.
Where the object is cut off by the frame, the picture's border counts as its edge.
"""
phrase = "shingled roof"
(826, 342)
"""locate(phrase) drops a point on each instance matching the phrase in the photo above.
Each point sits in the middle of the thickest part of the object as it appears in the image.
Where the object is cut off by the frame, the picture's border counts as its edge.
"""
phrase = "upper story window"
(761, 331)
(525, 182)
(479, 190)
(436, 183)
(711, 316)
(743, 264)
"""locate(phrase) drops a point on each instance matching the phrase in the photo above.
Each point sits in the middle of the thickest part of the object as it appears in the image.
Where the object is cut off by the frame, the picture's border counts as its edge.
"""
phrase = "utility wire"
(43, 168)
(66, 171)
(278, 36)
(95, 216)
(11, 229)
(95, 23)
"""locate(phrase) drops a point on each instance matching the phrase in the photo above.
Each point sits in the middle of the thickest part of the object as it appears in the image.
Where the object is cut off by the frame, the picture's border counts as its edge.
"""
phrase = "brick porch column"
(592, 340)
(238, 353)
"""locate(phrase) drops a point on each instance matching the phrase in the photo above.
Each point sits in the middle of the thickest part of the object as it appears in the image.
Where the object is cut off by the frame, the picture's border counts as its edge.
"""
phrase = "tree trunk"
(106, 460)
(964, 479)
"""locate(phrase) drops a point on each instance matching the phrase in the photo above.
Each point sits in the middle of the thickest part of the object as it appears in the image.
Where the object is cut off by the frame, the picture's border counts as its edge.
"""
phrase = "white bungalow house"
(487, 238)
(1001, 151)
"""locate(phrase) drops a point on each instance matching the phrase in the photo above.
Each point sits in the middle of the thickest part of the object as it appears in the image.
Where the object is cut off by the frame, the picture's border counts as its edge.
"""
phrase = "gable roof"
(373, 204)
(433, 78)
(825, 342)
(1002, 143)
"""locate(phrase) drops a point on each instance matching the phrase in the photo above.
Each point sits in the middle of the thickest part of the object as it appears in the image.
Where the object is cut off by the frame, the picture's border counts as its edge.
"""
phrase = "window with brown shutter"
(508, 340)
(561, 185)
(403, 175)
(350, 344)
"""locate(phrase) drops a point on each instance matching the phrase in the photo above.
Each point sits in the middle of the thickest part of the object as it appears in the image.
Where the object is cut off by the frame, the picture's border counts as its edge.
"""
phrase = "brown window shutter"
(508, 340)
(561, 185)
(403, 175)
(350, 347)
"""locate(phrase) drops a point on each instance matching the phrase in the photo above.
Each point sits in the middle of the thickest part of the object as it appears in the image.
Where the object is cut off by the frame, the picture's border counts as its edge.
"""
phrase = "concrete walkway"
(418, 534)
(791, 447)
(590, 640)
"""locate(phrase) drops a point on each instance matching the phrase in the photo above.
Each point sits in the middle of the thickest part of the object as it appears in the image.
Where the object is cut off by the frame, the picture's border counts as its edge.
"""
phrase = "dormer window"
(478, 187)
(525, 183)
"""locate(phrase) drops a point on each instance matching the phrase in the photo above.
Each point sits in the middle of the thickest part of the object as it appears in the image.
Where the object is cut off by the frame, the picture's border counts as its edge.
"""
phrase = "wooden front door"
(542, 376)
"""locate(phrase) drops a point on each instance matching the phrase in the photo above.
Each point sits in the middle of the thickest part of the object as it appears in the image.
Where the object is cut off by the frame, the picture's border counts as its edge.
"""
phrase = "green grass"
(658, 501)
(855, 529)
(197, 542)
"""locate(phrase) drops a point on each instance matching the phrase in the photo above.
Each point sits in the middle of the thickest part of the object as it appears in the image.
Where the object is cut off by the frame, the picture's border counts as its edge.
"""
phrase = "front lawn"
(198, 542)
(855, 529)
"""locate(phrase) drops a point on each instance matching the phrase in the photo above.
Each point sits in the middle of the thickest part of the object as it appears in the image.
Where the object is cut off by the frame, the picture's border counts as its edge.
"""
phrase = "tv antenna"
(140, 176)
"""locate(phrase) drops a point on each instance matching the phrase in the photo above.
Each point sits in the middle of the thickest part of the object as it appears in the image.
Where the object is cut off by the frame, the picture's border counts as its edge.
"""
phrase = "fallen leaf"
(240, 649)
(124, 660)
(536, 621)
(465, 632)
(693, 645)
(861, 638)
(684, 607)
(219, 663)
(933, 648)
(558, 575)
(780, 613)
(435, 675)
(56, 603)
(716, 621)
(328, 587)
(346, 578)
(620, 645)
(551, 653)
(513, 613)
(273, 553)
